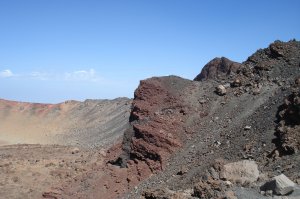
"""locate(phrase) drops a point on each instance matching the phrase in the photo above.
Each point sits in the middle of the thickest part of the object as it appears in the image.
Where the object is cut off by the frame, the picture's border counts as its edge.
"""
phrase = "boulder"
(280, 185)
(242, 171)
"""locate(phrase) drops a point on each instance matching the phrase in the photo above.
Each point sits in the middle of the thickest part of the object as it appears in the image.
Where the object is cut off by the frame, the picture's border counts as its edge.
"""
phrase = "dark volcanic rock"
(275, 56)
(288, 129)
(218, 67)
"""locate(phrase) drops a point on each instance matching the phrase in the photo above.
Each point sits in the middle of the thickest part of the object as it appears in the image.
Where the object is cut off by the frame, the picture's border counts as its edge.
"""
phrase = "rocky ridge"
(184, 133)
(204, 126)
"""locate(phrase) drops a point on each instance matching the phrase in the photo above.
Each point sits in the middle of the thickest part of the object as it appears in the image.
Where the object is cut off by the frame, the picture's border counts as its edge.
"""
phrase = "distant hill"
(89, 124)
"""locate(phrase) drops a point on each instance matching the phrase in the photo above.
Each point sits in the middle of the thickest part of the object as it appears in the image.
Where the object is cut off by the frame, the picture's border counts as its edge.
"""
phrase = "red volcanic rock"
(157, 120)
(217, 67)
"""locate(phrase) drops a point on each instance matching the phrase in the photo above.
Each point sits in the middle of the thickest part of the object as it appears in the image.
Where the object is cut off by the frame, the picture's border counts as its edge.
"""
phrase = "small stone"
(228, 183)
(203, 101)
(183, 170)
(75, 150)
(227, 85)
(269, 193)
(221, 90)
(256, 91)
(247, 128)
(217, 143)
(102, 152)
(236, 83)
(214, 174)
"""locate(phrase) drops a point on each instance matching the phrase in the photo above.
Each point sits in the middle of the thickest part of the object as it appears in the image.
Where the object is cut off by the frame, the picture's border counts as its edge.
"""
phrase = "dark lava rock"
(209, 189)
(288, 129)
(216, 68)
(157, 194)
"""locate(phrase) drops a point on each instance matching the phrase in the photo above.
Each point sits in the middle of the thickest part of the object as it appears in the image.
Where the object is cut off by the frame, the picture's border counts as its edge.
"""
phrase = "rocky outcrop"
(218, 67)
(288, 129)
(266, 59)
(157, 120)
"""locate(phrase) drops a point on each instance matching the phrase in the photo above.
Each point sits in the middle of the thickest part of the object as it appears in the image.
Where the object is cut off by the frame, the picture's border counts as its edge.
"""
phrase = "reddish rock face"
(216, 68)
(157, 121)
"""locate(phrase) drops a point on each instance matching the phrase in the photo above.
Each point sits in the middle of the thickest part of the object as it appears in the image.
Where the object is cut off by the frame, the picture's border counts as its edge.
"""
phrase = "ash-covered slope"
(89, 124)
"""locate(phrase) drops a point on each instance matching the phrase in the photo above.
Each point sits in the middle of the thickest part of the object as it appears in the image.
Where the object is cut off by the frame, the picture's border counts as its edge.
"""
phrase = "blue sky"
(55, 50)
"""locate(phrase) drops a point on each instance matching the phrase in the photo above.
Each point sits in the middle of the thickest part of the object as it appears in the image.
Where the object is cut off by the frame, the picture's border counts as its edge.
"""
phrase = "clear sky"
(54, 50)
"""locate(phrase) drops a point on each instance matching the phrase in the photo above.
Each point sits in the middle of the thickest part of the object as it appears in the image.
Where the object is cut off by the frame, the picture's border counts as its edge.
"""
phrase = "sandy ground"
(46, 146)
(28, 171)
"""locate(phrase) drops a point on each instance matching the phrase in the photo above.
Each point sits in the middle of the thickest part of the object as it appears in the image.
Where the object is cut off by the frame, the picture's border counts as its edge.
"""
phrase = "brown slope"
(46, 131)
(46, 159)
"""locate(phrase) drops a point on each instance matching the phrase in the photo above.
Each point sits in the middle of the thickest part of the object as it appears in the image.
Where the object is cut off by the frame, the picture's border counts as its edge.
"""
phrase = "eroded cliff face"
(157, 118)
